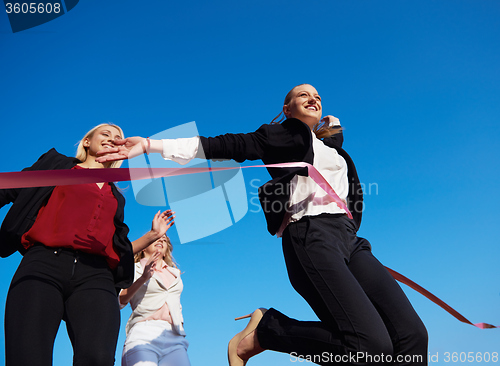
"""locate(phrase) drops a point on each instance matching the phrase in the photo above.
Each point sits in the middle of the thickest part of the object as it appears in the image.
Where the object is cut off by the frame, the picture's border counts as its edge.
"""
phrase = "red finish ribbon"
(44, 178)
(61, 177)
(436, 300)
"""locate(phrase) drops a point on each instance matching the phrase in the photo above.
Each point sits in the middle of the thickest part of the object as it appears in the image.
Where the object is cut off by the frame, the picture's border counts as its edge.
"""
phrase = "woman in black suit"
(76, 255)
(364, 316)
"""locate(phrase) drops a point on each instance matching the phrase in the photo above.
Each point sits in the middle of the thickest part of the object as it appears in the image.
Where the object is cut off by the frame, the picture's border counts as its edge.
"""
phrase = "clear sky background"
(416, 84)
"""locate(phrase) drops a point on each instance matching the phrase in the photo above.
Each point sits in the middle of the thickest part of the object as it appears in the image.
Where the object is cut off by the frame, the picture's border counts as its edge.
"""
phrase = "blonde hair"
(321, 129)
(81, 151)
(167, 257)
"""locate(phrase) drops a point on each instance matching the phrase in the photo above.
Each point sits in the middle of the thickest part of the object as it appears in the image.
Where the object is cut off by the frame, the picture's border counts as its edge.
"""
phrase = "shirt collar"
(143, 262)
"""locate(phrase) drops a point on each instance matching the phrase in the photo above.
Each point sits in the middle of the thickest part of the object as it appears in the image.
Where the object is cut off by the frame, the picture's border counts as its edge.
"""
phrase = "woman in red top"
(76, 256)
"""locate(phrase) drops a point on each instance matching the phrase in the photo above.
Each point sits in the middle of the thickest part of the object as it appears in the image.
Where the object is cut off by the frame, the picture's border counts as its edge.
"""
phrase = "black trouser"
(51, 285)
(364, 315)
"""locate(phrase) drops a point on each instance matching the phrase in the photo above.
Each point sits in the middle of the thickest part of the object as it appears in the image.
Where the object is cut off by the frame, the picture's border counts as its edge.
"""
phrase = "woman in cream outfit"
(155, 332)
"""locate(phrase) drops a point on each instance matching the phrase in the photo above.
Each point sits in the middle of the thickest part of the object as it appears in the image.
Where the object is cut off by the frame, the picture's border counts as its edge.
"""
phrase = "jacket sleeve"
(9, 195)
(239, 147)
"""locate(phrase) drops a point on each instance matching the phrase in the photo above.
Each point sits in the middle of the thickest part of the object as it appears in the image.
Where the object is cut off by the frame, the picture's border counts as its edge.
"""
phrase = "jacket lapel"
(174, 272)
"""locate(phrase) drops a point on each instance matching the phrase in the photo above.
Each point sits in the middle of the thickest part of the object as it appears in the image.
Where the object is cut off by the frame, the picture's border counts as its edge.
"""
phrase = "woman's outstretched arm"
(239, 147)
(179, 150)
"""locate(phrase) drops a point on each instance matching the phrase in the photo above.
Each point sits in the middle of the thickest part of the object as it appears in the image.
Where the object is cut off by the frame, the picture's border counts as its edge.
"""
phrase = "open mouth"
(312, 108)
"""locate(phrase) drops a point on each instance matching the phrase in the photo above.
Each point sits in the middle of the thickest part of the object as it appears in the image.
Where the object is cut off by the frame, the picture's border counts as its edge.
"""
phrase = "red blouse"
(79, 217)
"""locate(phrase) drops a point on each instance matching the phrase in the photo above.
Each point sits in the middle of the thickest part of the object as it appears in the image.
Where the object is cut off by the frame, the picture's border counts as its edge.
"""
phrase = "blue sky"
(416, 84)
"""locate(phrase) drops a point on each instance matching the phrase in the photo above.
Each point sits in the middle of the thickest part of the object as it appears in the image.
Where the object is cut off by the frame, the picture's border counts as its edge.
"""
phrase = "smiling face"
(304, 104)
(161, 245)
(102, 138)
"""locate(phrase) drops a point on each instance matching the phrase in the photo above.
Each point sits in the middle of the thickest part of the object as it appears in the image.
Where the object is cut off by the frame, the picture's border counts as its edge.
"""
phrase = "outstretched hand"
(125, 149)
(162, 222)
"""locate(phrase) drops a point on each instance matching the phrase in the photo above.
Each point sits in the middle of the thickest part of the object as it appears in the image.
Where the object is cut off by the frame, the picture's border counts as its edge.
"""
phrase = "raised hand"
(331, 121)
(149, 268)
(162, 222)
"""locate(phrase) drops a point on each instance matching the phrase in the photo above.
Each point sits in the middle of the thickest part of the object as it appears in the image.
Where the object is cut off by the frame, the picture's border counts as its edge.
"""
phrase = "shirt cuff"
(182, 150)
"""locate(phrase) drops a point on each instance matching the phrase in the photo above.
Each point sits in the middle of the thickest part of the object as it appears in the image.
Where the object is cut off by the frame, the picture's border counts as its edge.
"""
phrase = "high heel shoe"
(232, 354)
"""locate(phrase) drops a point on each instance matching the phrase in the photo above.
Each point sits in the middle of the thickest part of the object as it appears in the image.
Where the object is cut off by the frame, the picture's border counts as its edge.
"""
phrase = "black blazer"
(290, 141)
(27, 203)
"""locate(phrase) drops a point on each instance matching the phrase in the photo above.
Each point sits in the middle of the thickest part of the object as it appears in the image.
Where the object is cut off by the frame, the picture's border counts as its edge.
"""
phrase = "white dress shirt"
(306, 198)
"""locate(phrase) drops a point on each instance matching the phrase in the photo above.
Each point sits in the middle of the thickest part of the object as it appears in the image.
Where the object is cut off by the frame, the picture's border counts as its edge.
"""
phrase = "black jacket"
(27, 203)
(290, 141)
